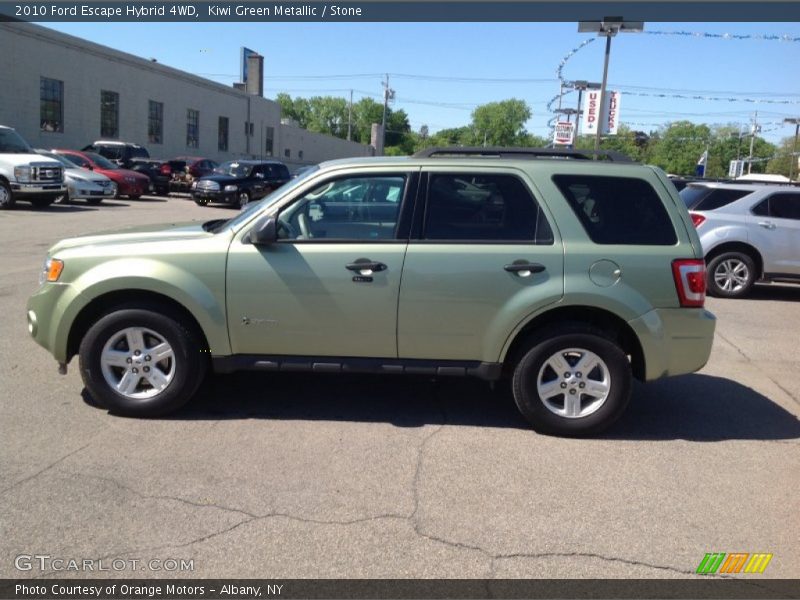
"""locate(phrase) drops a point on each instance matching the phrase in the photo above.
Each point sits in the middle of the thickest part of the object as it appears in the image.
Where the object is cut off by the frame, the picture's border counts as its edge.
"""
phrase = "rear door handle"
(365, 266)
(766, 224)
(524, 268)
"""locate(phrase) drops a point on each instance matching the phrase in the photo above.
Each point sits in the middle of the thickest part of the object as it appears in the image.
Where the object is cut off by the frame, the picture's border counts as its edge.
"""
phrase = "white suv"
(750, 232)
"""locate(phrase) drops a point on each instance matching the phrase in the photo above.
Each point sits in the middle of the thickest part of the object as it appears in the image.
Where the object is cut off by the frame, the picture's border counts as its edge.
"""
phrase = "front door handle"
(766, 224)
(524, 268)
(365, 266)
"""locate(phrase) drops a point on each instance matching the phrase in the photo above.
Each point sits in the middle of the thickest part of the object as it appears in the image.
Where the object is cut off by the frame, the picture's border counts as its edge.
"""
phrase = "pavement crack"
(47, 468)
(739, 350)
(617, 559)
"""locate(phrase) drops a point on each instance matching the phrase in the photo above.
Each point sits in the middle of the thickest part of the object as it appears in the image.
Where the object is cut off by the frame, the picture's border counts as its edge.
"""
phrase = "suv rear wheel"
(731, 275)
(140, 363)
(6, 198)
(572, 381)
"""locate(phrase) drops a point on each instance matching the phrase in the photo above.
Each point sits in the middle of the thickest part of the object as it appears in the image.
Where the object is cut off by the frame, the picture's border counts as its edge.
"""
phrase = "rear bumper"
(675, 341)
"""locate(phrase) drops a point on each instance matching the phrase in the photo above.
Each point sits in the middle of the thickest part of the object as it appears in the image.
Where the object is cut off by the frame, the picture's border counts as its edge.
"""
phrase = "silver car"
(83, 183)
(750, 232)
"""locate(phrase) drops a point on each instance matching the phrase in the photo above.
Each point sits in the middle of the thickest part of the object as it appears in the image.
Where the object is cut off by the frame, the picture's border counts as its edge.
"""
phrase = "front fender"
(203, 296)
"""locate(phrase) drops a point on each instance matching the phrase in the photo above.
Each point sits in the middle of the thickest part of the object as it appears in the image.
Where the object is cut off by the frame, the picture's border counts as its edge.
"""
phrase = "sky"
(441, 71)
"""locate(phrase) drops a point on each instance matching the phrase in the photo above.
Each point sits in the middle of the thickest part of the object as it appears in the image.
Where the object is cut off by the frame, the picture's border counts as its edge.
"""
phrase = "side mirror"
(265, 232)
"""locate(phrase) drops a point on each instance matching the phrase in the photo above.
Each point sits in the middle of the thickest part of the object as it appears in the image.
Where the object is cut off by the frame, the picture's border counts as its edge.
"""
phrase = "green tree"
(328, 114)
(680, 146)
(783, 158)
(501, 123)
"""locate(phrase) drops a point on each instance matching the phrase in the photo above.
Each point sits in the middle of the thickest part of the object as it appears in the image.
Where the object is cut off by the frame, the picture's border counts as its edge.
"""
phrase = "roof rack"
(498, 152)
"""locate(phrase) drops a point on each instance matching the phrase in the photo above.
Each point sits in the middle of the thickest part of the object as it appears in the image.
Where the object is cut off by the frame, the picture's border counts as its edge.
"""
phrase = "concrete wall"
(29, 52)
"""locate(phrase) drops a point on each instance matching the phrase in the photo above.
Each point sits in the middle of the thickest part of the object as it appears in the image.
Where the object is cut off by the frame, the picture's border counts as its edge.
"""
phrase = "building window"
(269, 141)
(192, 128)
(300, 154)
(287, 153)
(155, 122)
(51, 104)
(109, 114)
(222, 142)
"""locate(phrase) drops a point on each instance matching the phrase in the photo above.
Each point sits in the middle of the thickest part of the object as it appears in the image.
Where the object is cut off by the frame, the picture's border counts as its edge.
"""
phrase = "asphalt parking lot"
(314, 476)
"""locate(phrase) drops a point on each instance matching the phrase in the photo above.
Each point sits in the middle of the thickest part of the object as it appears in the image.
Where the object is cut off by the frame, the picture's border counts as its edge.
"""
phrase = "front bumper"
(22, 190)
(675, 341)
(212, 196)
(47, 318)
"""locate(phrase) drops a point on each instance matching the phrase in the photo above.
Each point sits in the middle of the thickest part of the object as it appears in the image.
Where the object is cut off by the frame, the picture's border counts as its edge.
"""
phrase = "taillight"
(697, 219)
(166, 169)
(690, 281)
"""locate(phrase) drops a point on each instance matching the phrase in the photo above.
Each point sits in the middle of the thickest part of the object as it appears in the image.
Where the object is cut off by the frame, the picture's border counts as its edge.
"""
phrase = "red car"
(129, 183)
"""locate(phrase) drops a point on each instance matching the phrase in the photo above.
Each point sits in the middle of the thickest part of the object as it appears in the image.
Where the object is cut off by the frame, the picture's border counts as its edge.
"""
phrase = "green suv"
(568, 276)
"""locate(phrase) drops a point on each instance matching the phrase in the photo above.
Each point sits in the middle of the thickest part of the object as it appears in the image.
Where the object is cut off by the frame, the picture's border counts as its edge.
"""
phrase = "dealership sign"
(591, 112)
(599, 112)
(564, 133)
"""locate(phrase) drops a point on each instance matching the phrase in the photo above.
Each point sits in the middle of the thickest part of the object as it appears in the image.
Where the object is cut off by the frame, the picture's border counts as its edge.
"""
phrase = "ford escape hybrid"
(569, 276)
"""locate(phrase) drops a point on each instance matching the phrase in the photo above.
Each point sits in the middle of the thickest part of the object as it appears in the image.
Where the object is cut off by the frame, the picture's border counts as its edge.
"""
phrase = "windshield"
(60, 159)
(254, 207)
(12, 142)
(101, 162)
(234, 169)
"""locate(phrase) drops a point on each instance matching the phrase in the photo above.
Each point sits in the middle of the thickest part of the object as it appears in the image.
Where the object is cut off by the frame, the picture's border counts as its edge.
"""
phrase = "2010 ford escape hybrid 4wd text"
(569, 276)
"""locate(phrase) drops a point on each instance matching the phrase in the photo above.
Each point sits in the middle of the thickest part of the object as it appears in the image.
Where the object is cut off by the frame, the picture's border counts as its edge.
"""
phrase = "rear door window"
(784, 205)
(483, 207)
(618, 210)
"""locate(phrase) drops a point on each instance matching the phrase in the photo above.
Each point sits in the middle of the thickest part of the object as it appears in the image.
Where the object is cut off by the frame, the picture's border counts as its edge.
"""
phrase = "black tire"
(185, 370)
(731, 275)
(6, 197)
(134, 197)
(94, 201)
(42, 202)
(614, 370)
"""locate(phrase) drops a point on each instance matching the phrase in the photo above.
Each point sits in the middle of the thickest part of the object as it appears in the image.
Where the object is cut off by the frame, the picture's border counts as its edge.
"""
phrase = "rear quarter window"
(618, 210)
(705, 198)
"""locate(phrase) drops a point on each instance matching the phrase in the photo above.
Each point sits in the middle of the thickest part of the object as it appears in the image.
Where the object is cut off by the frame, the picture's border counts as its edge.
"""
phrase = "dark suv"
(240, 181)
(121, 153)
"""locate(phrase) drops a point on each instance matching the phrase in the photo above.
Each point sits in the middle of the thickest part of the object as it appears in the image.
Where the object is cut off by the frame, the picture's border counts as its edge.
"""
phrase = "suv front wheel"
(140, 363)
(572, 381)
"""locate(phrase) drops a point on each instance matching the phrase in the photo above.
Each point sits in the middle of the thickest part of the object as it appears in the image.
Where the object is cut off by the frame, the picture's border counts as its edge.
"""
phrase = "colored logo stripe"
(757, 563)
(734, 563)
(713, 562)
(710, 563)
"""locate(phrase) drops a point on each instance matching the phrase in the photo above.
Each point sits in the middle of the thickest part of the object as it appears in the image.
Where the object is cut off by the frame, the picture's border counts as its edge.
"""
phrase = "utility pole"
(350, 118)
(388, 94)
(754, 129)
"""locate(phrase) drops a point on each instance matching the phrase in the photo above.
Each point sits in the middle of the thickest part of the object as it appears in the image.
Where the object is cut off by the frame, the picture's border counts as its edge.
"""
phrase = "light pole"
(793, 158)
(608, 27)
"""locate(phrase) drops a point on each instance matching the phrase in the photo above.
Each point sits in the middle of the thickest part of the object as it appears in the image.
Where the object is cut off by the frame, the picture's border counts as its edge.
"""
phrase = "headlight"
(22, 174)
(51, 270)
(231, 188)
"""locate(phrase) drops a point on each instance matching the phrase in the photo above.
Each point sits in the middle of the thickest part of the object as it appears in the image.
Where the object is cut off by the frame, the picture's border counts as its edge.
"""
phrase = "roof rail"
(498, 152)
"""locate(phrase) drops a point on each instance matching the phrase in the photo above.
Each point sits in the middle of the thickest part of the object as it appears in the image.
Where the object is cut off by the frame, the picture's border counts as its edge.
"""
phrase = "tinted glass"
(139, 152)
(110, 152)
(492, 208)
(10, 141)
(355, 208)
(785, 206)
(618, 210)
(101, 162)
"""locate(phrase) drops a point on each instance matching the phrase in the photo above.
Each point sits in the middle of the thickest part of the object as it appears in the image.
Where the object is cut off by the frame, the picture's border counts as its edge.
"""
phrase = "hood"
(22, 160)
(77, 173)
(222, 179)
(135, 235)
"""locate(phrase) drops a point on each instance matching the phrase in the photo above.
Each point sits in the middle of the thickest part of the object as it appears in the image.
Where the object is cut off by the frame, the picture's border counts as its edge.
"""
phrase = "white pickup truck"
(25, 175)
